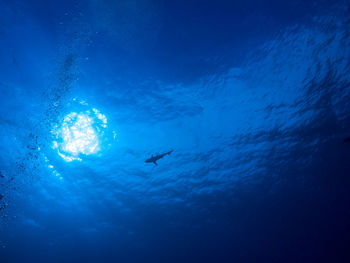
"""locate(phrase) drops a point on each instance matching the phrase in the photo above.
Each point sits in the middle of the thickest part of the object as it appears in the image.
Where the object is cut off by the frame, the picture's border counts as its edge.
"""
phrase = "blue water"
(251, 96)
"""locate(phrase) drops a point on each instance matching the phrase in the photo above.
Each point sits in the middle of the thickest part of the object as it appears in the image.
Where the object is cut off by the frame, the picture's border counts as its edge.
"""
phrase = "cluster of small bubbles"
(28, 164)
(52, 169)
(5, 184)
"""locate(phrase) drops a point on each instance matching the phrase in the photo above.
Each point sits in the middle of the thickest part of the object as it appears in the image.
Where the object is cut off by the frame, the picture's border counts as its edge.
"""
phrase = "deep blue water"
(253, 97)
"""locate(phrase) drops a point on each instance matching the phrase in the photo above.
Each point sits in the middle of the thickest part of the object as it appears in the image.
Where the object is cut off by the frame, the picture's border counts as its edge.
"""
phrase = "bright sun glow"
(80, 134)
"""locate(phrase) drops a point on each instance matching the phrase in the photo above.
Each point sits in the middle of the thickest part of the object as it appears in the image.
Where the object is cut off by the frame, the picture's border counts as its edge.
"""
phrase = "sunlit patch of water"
(80, 134)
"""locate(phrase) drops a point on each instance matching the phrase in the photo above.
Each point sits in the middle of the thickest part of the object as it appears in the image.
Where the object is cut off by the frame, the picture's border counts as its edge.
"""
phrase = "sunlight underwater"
(73, 146)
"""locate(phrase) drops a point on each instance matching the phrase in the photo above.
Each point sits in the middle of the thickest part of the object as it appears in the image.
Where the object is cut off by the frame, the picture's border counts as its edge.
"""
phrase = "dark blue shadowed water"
(252, 97)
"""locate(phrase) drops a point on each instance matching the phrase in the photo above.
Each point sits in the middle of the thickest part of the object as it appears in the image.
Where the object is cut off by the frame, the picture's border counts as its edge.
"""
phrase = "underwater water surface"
(174, 131)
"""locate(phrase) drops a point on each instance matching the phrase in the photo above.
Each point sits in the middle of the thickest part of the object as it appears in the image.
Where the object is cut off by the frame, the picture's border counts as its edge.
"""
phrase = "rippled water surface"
(253, 100)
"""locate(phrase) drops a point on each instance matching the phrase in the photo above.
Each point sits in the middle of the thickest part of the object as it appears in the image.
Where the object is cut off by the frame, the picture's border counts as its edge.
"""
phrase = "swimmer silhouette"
(154, 159)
